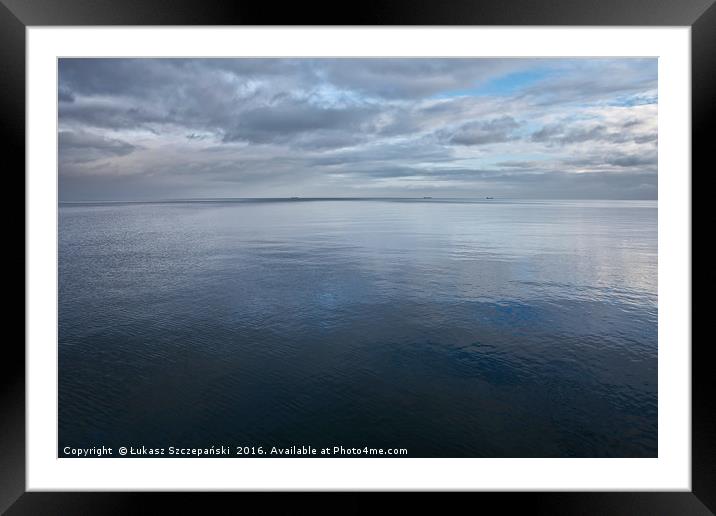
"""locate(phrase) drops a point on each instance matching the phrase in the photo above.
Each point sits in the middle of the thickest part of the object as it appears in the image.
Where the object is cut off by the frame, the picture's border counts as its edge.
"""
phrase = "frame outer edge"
(12, 83)
(368, 12)
(703, 113)
(12, 364)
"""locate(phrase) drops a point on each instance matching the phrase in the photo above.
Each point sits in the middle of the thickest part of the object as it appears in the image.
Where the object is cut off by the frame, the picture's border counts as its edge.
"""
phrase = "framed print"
(420, 249)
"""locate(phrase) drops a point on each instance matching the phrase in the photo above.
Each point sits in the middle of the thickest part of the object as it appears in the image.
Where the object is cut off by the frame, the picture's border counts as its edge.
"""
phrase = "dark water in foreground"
(483, 329)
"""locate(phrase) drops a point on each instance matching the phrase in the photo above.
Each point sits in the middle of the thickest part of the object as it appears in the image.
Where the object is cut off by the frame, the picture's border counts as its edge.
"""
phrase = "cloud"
(497, 130)
(517, 164)
(81, 147)
(615, 125)
(280, 122)
(65, 95)
(383, 126)
(561, 135)
(415, 78)
(632, 160)
(581, 81)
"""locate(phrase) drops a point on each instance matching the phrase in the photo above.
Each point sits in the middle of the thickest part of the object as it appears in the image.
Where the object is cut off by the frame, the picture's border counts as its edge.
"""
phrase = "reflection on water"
(460, 328)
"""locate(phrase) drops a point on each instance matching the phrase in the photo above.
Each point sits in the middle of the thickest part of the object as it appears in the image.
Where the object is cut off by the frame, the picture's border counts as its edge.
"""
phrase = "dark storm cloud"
(266, 127)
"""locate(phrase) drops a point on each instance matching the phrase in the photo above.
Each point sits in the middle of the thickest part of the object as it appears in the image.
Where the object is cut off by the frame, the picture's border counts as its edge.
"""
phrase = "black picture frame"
(16, 15)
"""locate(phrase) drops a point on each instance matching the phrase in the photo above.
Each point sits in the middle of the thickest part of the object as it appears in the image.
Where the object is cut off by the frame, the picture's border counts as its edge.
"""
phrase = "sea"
(444, 327)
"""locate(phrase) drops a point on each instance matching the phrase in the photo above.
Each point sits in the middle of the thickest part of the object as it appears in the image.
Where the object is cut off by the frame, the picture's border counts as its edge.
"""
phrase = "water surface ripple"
(451, 328)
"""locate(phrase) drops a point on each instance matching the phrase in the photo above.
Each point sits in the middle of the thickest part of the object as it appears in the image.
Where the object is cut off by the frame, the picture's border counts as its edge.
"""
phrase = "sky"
(150, 129)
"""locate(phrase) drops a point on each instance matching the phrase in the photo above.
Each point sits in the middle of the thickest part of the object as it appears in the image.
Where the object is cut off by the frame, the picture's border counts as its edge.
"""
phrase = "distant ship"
(489, 197)
(427, 197)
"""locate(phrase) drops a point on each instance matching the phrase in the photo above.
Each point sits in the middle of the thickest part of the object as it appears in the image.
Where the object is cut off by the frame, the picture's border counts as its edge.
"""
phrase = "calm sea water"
(450, 328)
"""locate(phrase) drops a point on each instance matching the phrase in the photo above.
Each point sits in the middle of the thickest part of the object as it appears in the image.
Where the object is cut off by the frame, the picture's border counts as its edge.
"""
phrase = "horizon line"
(348, 198)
